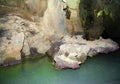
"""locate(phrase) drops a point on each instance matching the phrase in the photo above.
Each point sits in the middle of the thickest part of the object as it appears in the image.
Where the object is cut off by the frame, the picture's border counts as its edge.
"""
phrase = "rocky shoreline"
(71, 51)
(31, 28)
(20, 37)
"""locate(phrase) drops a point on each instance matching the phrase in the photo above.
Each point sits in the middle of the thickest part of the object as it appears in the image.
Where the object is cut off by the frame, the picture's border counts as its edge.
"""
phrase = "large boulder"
(72, 51)
(11, 44)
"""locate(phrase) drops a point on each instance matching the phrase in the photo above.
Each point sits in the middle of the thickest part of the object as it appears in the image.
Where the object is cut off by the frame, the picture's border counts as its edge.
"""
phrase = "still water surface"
(101, 69)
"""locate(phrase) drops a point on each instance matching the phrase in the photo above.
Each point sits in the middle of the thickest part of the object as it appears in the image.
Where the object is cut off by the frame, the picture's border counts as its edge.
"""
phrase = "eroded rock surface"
(11, 44)
(73, 23)
(22, 37)
(74, 50)
(34, 27)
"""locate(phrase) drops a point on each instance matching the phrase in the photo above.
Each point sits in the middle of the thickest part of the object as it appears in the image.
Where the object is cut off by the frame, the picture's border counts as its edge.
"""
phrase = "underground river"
(101, 69)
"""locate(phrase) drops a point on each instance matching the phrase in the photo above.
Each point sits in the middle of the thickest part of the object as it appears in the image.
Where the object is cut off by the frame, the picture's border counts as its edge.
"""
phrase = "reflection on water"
(102, 69)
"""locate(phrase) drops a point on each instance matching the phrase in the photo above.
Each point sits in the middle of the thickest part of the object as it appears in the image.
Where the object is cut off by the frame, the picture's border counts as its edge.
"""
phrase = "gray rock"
(75, 50)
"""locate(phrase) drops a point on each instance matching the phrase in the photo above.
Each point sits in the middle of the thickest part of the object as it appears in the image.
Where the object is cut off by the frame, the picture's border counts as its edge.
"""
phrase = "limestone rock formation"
(11, 44)
(74, 50)
(36, 27)
(26, 7)
(23, 37)
(72, 16)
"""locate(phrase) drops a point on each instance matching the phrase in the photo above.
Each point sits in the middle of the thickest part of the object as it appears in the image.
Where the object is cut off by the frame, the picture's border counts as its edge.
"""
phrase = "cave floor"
(101, 69)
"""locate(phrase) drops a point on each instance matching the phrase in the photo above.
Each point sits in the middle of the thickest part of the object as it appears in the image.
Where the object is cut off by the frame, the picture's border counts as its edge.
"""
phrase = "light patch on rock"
(64, 0)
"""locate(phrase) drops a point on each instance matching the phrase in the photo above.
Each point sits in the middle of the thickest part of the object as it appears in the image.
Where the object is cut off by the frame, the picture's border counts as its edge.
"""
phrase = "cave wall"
(29, 8)
(28, 34)
(111, 22)
(37, 6)
(26, 8)
(48, 12)
(73, 21)
(100, 17)
(91, 24)
(81, 15)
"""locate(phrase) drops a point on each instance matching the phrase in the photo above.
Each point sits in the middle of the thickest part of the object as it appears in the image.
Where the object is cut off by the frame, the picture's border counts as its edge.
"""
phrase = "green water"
(102, 69)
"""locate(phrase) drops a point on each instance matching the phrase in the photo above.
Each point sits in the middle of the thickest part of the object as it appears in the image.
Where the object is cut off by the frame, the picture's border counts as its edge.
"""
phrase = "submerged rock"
(75, 50)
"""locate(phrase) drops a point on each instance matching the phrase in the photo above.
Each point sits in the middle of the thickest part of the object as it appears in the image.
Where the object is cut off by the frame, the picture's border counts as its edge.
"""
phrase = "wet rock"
(10, 61)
